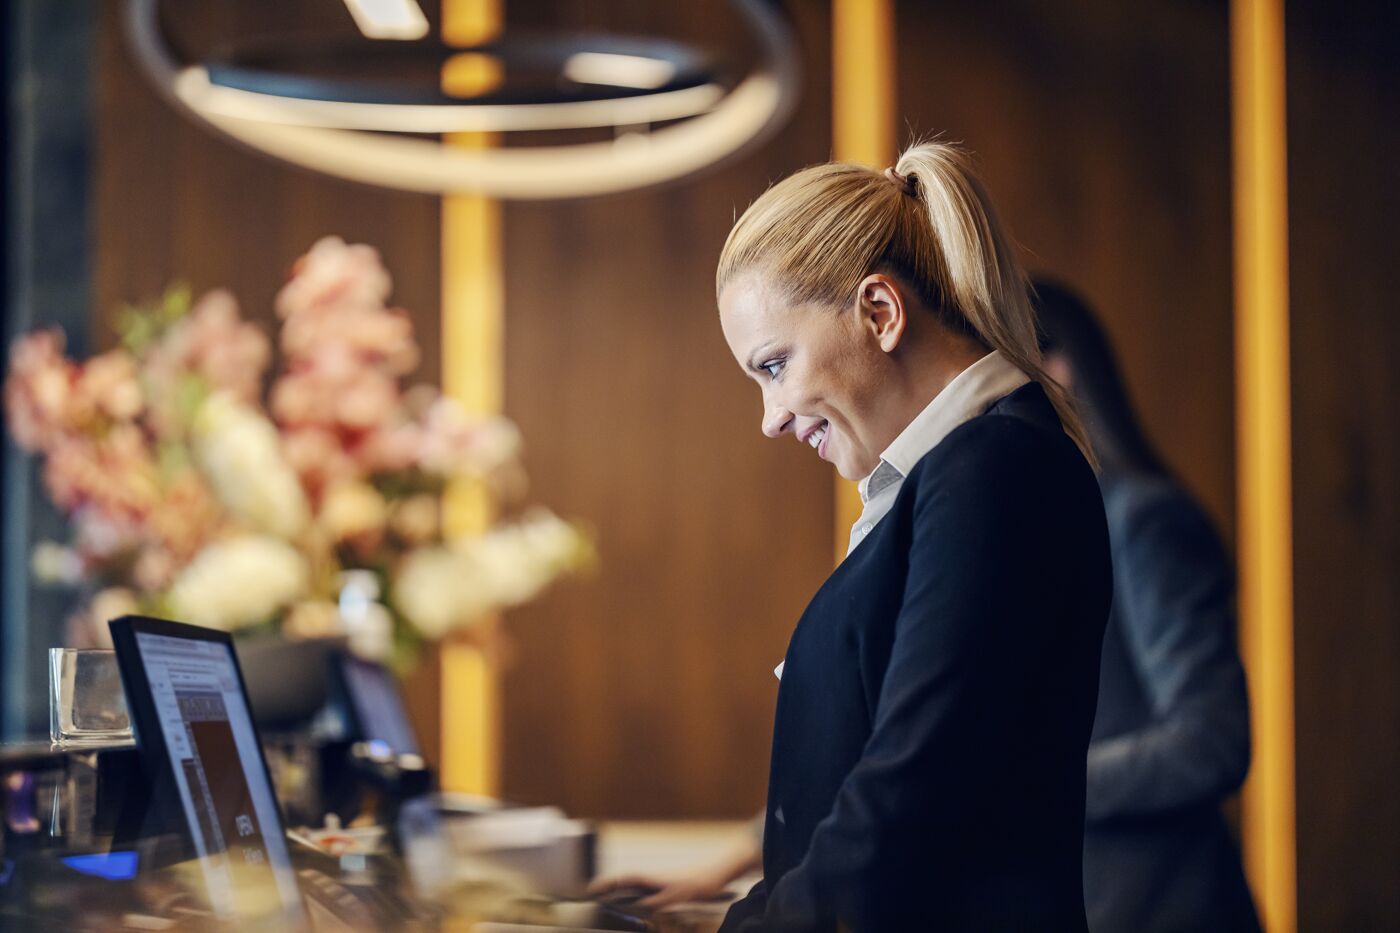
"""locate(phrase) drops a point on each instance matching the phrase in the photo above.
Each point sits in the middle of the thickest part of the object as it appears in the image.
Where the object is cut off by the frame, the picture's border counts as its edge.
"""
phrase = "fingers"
(648, 883)
(689, 890)
(673, 894)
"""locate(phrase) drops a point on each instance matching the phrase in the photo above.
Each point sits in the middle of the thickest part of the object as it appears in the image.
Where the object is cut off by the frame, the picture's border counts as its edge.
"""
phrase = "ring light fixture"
(291, 100)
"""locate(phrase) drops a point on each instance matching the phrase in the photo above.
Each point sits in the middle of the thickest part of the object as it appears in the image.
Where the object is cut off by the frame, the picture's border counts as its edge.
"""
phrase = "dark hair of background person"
(1068, 328)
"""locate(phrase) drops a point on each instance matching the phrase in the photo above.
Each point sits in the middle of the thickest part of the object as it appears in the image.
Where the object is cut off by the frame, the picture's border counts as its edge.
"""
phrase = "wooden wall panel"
(1102, 131)
(1344, 147)
(176, 202)
(649, 691)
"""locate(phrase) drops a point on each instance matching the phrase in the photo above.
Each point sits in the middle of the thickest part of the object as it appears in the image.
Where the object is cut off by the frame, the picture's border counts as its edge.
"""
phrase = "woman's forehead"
(752, 310)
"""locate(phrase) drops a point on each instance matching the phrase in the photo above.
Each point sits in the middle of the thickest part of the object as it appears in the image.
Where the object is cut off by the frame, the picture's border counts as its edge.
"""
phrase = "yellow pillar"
(473, 327)
(863, 130)
(1263, 438)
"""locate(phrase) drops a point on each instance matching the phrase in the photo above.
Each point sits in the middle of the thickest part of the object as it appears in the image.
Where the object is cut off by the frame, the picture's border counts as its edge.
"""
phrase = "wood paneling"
(1344, 147)
(1102, 131)
(648, 692)
(175, 201)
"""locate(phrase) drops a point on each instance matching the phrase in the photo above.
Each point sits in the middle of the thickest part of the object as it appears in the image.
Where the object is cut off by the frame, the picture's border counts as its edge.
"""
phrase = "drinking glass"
(86, 704)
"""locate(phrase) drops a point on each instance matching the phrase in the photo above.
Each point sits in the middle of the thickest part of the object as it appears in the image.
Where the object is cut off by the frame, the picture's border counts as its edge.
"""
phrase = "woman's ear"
(881, 310)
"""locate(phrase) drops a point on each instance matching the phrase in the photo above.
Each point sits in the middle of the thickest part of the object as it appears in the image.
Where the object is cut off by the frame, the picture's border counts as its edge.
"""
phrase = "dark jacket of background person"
(1171, 736)
(938, 696)
(1171, 739)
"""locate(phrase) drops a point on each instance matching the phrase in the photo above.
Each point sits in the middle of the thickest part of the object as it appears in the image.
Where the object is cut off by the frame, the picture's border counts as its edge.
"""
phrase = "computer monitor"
(190, 715)
(372, 704)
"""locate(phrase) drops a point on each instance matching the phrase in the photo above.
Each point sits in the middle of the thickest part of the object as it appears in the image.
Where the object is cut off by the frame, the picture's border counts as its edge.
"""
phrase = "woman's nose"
(776, 420)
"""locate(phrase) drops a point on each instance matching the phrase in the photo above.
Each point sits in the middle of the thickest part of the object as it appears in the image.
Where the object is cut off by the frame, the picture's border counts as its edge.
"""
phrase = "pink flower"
(38, 390)
(186, 516)
(456, 442)
(366, 400)
(228, 352)
(318, 457)
(344, 352)
(116, 474)
(211, 347)
(351, 398)
(108, 384)
(334, 273)
(377, 337)
(390, 448)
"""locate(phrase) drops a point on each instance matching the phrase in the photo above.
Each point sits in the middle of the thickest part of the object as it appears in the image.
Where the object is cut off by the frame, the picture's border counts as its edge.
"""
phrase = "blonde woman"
(938, 693)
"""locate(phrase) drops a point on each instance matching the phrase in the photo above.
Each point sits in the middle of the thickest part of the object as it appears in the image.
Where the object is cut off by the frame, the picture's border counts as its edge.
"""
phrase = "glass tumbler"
(86, 703)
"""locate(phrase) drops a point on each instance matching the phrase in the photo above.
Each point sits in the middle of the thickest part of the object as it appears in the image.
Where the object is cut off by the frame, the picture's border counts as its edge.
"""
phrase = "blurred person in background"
(1171, 736)
(1171, 732)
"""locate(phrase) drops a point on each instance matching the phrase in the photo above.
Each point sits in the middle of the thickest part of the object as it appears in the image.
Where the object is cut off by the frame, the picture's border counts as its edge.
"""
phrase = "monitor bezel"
(150, 738)
(343, 696)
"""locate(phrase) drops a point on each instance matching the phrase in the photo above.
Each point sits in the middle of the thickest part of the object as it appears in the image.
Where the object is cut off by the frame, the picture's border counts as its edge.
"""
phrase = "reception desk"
(81, 850)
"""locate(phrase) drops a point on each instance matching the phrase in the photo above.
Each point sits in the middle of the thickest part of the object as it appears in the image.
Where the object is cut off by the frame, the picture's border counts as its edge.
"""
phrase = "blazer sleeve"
(968, 627)
(1175, 598)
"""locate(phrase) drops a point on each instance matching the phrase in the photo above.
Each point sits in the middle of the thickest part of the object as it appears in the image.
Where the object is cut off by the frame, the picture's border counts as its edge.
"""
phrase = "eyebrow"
(757, 355)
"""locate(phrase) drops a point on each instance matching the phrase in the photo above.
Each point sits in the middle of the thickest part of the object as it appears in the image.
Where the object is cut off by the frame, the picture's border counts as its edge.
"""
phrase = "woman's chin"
(849, 471)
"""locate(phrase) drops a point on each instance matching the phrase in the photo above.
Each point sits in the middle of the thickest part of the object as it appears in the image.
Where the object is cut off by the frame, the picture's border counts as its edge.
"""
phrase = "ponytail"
(970, 256)
(821, 230)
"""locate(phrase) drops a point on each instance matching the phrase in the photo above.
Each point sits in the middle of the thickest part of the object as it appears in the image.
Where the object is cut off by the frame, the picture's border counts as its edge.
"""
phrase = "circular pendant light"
(291, 100)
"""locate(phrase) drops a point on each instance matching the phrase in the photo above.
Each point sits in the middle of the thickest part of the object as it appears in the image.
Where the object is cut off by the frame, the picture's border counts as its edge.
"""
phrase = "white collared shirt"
(970, 394)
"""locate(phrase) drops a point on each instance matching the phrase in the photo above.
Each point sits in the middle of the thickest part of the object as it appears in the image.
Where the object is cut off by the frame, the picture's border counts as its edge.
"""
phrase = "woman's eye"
(772, 368)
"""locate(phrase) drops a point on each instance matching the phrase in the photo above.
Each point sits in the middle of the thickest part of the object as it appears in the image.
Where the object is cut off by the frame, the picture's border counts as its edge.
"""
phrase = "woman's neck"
(933, 363)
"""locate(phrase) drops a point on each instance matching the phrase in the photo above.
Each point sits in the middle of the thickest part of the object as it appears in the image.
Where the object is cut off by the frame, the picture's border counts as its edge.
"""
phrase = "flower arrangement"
(188, 496)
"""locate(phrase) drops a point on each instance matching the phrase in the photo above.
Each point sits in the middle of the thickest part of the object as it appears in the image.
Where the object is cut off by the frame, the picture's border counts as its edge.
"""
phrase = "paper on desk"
(524, 827)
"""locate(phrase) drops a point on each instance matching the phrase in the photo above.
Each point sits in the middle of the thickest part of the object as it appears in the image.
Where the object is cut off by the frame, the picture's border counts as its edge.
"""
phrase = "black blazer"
(937, 699)
(1171, 739)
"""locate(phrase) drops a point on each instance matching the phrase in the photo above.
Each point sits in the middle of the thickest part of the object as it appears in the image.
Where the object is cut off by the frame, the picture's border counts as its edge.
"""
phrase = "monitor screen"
(195, 695)
(377, 706)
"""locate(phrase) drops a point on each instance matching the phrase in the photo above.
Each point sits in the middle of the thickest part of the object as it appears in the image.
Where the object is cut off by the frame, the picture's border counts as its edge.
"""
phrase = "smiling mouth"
(818, 439)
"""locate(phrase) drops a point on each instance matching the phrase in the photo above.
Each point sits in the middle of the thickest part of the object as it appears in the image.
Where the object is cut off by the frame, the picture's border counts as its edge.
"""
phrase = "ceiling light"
(372, 130)
(618, 70)
(389, 19)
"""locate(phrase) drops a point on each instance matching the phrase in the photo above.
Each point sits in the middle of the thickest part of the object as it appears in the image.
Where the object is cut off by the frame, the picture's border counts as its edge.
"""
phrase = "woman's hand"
(705, 884)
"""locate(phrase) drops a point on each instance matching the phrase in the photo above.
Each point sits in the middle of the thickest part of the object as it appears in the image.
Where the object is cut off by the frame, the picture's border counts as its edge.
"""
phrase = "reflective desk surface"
(57, 810)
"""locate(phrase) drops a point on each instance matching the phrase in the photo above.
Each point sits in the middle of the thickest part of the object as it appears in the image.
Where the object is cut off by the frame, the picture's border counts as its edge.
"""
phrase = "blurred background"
(1123, 145)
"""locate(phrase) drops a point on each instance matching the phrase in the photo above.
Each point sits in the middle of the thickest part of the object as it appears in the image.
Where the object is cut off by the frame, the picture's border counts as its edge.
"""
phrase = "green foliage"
(139, 326)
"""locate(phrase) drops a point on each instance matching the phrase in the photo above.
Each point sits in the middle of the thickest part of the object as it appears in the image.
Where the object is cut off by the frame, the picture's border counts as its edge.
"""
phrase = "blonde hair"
(822, 230)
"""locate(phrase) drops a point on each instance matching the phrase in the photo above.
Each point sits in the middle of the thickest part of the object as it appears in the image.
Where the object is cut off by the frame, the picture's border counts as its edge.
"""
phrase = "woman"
(938, 693)
(1171, 738)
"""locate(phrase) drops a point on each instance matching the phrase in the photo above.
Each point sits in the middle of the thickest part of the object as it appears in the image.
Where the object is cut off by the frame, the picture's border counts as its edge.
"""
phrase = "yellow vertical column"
(473, 330)
(1264, 451)
(863, 130)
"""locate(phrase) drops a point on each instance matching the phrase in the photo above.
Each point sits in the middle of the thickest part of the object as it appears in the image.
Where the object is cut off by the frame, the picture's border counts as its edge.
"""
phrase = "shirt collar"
(970, 394)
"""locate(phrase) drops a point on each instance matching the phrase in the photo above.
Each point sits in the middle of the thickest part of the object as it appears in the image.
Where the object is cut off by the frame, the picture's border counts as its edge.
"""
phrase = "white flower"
(238, 450)
(429, 592)
(238, 582)
(53, 563)
(441, 588)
